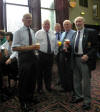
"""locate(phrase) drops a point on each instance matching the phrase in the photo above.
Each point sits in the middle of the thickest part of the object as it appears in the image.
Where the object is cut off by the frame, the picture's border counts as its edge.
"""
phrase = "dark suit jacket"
(89, 45)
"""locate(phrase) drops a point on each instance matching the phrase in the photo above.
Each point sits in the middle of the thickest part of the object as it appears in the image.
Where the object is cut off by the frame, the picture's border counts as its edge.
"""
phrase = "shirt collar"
(45, 31)
(81, 31)
(25, 28)
(58, 32)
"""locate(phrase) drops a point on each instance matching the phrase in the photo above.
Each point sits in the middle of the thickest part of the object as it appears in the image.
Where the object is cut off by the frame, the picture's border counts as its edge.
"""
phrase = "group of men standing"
(75, 68)
(75, 61)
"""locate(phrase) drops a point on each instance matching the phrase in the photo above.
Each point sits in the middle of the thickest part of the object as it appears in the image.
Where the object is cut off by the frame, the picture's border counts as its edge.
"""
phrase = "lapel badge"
(89, 44)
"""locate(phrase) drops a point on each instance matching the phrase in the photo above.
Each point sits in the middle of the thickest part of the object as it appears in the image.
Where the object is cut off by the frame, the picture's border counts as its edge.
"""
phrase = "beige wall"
(74, 12)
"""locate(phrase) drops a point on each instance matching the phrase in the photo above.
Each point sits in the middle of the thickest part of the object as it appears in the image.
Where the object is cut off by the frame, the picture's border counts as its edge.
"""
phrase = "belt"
(78, 55)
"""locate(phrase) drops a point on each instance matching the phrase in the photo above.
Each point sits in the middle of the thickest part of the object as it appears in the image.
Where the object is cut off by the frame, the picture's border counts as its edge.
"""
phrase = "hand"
(8, 61)
(33, 47)
(37, 46)
(66, 45)
(65, 49)
(84, 58)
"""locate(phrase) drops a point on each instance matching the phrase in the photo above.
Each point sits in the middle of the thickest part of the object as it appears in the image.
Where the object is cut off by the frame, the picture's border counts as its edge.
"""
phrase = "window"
(14, 17)
(50, 15)
(23, 2)
(83, 3)
(15, 9)
(48, 12)
(47, 4)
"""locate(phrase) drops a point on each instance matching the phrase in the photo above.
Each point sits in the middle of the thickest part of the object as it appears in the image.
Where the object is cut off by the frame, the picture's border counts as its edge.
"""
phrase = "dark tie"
(30, 36)
(77, 42)
(65, 37)
(58, 36)
(48, 44)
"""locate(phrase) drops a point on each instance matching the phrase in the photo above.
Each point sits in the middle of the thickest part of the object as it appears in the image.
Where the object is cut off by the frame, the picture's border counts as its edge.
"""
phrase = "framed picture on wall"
(95, 10)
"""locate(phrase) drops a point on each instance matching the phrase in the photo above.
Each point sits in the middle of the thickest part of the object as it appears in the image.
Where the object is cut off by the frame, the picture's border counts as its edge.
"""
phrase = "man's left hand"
(84, 58)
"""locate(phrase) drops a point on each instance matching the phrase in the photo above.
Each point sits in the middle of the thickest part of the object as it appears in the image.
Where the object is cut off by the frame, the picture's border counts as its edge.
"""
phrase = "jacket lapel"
(85, 38)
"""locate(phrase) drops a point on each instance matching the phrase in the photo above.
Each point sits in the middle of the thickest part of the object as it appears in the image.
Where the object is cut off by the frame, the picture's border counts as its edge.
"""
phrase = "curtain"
(35, 10)
(62, 11)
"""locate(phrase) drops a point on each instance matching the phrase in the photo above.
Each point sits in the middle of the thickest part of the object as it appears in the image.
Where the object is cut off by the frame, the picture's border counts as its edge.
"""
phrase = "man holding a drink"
(65, 57)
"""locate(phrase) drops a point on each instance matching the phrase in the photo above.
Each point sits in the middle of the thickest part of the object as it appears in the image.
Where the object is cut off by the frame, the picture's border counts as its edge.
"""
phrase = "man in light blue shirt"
(24, 43)
(65, 58)
(58, 32)
(68, 34)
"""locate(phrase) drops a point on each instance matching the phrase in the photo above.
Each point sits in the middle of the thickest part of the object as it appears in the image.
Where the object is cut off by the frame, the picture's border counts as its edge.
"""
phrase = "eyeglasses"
(27, 19)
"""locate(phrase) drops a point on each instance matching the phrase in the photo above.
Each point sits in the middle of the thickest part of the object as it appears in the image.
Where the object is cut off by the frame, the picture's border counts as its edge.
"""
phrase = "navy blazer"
(89, 45)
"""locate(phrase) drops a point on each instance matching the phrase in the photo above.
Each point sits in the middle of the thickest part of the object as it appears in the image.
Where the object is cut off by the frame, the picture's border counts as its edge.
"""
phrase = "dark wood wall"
(62, 11)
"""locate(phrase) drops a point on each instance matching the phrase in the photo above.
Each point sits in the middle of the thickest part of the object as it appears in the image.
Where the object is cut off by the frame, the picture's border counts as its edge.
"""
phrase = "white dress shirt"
(11, 53)
(41, 38)
(80, 49)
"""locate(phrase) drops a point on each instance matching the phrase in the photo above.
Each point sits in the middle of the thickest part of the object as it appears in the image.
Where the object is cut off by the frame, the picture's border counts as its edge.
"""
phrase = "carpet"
(57, 101)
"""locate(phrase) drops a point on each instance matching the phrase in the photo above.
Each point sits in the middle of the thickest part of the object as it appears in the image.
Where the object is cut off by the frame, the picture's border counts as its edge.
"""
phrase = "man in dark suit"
(84, 61)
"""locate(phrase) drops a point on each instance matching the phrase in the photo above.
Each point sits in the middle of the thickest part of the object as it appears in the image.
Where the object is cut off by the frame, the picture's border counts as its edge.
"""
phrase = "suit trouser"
(45, 65)
(82, 80)
(58, 62)
(27, 76)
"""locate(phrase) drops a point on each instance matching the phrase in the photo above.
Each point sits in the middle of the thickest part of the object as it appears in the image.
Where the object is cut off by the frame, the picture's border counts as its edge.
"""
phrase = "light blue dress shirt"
(21, 37)
(60, 34)
(69, 35)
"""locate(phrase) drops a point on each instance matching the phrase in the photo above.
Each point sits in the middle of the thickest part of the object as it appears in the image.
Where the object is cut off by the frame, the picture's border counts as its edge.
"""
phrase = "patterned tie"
(30, 36)
(77, 42)
(48, 44)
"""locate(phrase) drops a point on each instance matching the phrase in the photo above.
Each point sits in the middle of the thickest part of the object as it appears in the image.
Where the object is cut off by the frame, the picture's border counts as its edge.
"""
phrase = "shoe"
(24, 107)
(86, 106)
(74, 100)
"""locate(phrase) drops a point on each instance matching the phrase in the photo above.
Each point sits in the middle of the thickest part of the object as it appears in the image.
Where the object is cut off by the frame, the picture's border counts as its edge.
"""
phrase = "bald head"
(67, 25)
(27, 16)
(46, 25)
(27, 19)
(57, 27)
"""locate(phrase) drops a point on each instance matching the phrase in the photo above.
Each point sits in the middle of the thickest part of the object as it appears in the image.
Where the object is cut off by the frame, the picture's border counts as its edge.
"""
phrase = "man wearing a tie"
(58, 34)
(66, 74)
(58, 31)
(24, 43)
(84, 61)
(47, 41)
